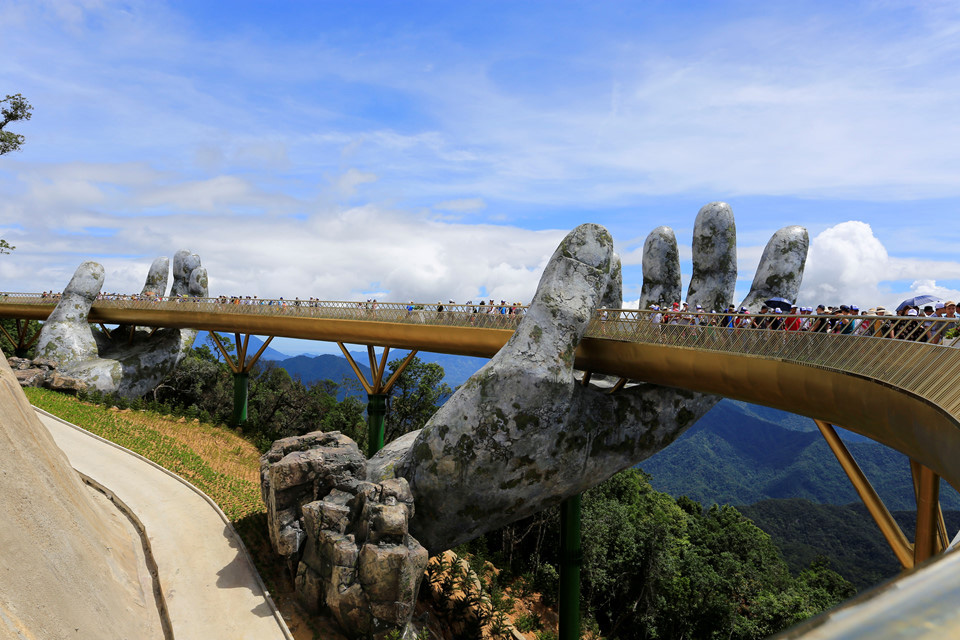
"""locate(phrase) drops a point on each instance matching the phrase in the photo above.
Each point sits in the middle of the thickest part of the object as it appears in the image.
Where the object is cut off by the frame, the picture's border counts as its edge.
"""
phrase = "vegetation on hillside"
(279, 406)
(804, 530)
(655, 567)
(740, 459)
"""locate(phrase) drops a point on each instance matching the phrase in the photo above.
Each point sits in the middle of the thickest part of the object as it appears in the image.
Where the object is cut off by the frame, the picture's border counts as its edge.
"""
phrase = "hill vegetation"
(741, 458)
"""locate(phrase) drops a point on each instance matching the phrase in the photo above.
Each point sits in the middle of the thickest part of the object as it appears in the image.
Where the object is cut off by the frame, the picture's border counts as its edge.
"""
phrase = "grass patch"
(214, 459)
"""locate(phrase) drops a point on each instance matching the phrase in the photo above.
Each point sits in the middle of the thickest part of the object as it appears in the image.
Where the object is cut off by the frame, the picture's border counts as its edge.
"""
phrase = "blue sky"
(429, 150)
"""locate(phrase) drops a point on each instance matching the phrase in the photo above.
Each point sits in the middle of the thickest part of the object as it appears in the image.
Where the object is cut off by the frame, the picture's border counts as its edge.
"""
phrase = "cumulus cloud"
(847, 263)
(326, 251)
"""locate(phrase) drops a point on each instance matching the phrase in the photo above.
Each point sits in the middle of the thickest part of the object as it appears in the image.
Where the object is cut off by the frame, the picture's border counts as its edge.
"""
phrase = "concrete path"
(210, 587)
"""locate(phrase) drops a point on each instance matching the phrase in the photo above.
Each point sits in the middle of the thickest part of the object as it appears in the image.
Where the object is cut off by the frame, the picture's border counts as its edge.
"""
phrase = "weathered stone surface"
(19, 363)
(661, 269)
(45, 363)
(156, 283)
(355, 558)
(781, 268)
(117, 363)
(66, 336)
(42, 372)
(522, 434)
(714, 258)
(65, 384)
(68, 560)
(310, 588)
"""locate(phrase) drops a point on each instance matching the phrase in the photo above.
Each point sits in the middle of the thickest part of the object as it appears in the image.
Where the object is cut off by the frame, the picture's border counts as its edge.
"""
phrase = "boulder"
(347, 539)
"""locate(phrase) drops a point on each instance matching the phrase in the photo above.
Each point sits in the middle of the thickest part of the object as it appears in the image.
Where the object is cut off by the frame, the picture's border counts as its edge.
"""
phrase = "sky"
(441, 150)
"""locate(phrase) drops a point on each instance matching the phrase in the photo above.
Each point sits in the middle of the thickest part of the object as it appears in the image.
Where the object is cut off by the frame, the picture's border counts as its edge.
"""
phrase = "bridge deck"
(902, 393)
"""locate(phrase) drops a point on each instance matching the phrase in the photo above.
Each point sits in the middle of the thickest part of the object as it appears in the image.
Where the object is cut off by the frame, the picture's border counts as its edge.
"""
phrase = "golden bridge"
(902, 393)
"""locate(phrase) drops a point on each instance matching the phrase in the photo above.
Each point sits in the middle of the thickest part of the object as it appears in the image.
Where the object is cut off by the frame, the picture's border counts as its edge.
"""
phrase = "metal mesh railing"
(920, 361)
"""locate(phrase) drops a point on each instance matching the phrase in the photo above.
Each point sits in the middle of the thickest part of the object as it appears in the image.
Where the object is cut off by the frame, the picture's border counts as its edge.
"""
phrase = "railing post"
(241, 393)
(571, 557)
(376, 411)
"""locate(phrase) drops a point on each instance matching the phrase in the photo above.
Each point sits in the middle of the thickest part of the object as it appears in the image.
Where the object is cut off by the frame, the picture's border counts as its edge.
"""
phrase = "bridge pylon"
(377, 391)
(21, 345)
(241, 372)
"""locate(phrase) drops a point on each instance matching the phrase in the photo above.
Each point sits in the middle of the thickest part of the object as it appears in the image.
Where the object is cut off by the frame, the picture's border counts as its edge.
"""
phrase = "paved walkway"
(211, 589)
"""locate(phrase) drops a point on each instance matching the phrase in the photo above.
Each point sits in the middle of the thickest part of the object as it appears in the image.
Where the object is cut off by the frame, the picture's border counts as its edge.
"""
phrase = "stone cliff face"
(69, 565)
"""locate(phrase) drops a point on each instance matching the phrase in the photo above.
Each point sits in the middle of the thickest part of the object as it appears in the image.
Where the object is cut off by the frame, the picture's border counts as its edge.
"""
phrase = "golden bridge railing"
(931, 371)
(885, 348)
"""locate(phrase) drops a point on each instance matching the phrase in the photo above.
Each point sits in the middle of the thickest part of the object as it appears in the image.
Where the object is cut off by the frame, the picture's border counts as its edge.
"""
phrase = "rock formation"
(42, 372)
(69, 567)
(116, 363)
(522, 434)
(346, 539)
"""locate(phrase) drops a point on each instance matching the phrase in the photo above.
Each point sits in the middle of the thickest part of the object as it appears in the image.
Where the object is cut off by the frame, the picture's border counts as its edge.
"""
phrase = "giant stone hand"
(522, 433)
(118, 362)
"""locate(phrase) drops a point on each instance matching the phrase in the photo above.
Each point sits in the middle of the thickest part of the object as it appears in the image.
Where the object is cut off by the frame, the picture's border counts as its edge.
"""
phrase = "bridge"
(902, 393)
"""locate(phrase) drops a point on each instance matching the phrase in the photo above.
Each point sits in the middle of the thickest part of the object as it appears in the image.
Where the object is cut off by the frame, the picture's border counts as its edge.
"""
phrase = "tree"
(17, 108)
(415, 397)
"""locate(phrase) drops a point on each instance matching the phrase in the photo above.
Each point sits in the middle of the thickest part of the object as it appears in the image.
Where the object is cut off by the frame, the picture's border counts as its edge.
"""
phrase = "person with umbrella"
(916, 301)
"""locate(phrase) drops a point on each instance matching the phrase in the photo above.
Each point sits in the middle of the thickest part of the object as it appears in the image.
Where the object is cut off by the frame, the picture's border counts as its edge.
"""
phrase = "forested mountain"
(733, 456)
(846, 534)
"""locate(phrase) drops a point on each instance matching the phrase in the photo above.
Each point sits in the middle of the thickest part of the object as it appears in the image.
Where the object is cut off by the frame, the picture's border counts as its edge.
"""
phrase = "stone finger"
(781, 268)
(661, 268)
(571, 288)
(156, 282)
(613, 296)
(66, 335)
(184, 263)
(714, 258)
(197, 286)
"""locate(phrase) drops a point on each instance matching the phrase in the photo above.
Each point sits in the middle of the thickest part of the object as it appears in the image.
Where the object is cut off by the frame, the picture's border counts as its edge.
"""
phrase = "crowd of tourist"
(928, 323)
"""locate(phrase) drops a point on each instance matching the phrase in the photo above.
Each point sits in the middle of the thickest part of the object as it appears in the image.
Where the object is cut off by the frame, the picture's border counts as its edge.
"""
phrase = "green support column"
(241, 387)
(376, 411)
(571, 557)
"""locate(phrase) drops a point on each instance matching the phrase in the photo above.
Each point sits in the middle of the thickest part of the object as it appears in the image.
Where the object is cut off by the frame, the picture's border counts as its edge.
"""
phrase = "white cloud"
(848, 264)
(347, 183)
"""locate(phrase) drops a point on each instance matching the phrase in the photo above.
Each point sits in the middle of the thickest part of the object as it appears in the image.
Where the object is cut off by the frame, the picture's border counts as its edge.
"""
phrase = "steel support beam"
(927, 542)
(376, 413)
(878, 511)
(241, 397)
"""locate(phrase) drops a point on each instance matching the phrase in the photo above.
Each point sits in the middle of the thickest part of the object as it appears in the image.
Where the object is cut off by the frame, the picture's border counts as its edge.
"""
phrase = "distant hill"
(732, 456)
(255, 343)
(846, 534)
(311, 369)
